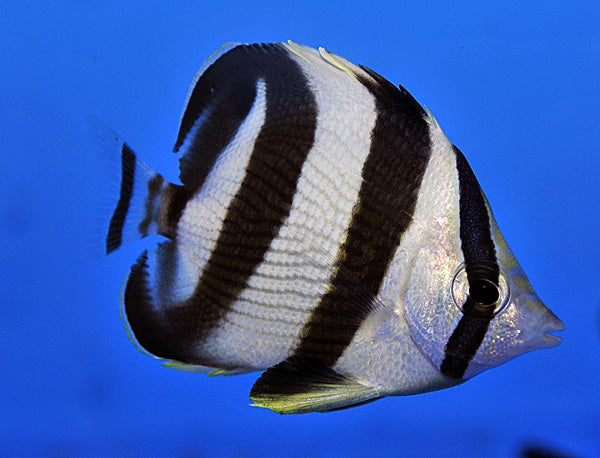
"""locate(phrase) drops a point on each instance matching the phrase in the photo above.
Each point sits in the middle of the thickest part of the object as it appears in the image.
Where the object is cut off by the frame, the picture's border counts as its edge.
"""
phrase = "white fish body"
(325, 231)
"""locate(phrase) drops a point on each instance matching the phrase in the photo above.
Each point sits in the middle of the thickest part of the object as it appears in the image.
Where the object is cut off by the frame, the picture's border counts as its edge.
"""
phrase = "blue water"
(516, 87)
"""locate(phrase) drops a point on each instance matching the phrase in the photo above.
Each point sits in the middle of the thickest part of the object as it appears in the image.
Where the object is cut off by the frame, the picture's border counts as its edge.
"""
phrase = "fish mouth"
(540, 333)
(553, 325)
(551, 340)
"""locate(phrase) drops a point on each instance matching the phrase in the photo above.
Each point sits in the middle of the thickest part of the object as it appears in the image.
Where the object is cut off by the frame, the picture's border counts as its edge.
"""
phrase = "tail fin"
(137, 210)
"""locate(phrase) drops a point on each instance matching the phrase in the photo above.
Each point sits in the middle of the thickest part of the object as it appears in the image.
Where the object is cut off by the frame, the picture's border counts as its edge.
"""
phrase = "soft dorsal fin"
(303, 384)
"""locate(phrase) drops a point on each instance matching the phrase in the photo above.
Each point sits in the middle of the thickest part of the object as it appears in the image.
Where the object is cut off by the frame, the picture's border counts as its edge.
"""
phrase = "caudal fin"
(136, 192)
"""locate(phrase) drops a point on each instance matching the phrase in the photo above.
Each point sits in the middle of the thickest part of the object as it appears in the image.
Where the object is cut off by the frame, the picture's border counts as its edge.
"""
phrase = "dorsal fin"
(401, 99)
(303, 384)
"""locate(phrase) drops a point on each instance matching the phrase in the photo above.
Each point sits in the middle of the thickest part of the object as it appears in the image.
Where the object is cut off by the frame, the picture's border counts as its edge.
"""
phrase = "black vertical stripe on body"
(115, 229)
(481, 266)
(221, 100)
(257, 211)
(392, 176)
(139, 308)
(143, 305)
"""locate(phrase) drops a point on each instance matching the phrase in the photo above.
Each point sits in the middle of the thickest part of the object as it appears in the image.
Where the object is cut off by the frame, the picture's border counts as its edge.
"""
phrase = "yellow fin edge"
(328, 399)
(303, 52)
(330, 58)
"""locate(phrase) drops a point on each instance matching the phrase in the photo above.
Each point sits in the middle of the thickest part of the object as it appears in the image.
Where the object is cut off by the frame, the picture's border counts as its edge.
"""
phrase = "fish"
(324, 231)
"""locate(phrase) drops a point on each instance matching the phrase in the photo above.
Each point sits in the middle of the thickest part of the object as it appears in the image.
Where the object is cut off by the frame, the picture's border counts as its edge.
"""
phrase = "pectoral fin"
(302, 384)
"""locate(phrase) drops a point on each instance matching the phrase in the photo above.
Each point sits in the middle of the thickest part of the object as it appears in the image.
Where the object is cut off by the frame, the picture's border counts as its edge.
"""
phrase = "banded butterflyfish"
(324, 231)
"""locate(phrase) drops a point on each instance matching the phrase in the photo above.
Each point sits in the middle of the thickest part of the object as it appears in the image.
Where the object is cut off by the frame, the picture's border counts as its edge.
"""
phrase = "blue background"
(514, 85)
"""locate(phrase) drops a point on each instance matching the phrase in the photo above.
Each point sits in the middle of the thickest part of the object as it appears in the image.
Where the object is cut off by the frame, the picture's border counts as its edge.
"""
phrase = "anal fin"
(303, 384)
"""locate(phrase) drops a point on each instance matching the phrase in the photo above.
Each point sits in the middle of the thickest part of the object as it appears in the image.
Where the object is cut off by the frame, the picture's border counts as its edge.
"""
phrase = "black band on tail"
(115, 229)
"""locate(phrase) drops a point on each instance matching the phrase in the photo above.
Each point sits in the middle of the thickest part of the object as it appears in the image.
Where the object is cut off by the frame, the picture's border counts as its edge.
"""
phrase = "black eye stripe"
(482, 270)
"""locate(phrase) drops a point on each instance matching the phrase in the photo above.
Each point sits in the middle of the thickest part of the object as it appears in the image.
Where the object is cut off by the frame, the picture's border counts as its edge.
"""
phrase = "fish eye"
(482, 291)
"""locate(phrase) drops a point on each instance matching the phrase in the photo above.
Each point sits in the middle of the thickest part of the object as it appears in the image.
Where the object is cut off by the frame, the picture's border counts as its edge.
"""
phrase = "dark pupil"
(484, 292)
